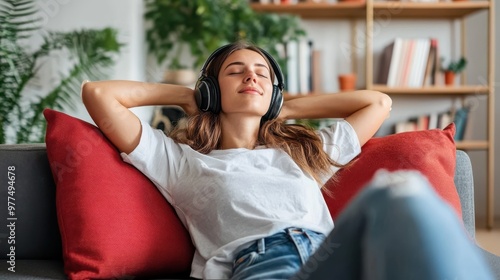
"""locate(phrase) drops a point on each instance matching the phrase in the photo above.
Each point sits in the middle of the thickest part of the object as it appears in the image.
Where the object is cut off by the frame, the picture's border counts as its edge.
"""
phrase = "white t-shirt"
(228, 198)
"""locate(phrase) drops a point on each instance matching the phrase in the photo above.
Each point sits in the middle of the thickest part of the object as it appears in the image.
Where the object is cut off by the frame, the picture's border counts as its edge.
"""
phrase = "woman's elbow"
(90, 93)
(385, 101)
(381, 101)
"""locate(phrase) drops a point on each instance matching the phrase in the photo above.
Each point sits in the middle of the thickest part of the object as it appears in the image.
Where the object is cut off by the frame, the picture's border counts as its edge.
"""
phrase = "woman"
(246, 186)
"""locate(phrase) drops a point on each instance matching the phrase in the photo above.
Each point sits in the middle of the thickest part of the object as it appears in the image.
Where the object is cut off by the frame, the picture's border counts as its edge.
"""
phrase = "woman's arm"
(365, 110)
(108, 101)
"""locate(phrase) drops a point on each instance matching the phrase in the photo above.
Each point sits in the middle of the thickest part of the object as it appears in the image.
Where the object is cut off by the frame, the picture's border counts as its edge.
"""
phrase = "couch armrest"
(464, 183)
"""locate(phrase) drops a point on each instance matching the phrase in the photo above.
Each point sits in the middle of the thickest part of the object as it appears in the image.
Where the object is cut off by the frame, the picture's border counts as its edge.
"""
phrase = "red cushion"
(432, 152)
(113, 221)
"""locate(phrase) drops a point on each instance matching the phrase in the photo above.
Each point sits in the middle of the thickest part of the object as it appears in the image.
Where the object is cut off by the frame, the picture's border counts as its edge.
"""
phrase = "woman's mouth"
(250, 90)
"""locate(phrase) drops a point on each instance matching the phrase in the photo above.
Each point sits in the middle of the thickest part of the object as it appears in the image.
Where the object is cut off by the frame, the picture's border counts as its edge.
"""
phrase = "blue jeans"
(278, 256)
(396, 228)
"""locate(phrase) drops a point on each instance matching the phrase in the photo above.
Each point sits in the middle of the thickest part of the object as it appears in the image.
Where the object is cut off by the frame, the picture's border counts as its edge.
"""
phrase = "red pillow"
(432, 152)
(114, 223)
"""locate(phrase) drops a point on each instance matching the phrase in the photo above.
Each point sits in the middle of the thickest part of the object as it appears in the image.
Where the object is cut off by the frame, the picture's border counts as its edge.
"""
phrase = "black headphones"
(207, 92)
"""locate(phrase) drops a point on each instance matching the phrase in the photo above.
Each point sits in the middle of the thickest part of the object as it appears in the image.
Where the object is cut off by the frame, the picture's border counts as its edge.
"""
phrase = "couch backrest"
(35, 231)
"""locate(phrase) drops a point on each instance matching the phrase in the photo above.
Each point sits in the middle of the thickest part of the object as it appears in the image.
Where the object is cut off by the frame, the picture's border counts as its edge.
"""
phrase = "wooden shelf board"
(386, 9)
(472, 145)
(317, 10)
(437, 90)
(396, 9)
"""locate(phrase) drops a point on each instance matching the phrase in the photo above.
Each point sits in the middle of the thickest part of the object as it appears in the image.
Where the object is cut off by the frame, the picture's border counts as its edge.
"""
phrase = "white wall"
(124, 15)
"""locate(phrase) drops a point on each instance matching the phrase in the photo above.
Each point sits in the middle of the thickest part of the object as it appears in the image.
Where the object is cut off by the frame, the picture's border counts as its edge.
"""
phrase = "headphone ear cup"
(207, 94)
(275, 105)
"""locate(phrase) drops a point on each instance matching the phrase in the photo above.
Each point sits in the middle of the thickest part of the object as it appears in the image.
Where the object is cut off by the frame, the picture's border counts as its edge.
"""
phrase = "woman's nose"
(251, 77)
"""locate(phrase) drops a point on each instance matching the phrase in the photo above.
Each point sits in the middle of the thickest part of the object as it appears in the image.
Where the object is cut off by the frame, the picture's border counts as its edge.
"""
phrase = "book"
(433, 121)
(444, 119)
(460, 120)
(430, 68)
(385, 63)
(402, 63)
(423, 54)
(292, 66)
(304, 66)
(395, 61)
(317, 85)
(408, 62)
(423, 122)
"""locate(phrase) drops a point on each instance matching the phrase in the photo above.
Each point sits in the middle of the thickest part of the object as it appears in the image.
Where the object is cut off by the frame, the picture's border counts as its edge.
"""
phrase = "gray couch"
(37, 240)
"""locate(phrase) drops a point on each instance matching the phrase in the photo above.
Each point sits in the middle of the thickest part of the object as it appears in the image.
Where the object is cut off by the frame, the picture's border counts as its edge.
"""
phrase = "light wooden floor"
(489, 239)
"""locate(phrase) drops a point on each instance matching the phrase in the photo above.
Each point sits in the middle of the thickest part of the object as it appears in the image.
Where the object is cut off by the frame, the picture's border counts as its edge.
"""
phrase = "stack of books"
(437, 121)
(303, 67)
(409, 63)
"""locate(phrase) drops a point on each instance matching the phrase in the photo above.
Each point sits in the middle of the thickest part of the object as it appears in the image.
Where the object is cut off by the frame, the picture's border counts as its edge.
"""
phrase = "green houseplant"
(201, 26)
(91, 52)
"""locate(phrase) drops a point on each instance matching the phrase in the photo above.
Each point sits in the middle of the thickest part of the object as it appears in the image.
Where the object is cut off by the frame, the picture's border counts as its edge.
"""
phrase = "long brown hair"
(203, 131)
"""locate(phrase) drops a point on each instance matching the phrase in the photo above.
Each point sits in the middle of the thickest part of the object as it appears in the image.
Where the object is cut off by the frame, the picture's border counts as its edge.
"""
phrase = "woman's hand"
(190, 107)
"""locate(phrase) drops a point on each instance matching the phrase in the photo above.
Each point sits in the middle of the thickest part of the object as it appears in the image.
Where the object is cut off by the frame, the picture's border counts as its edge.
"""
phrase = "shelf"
(434, 90)
(392, 9)
(440, 10)
(424, 91)
(317, 10)
(472, 145)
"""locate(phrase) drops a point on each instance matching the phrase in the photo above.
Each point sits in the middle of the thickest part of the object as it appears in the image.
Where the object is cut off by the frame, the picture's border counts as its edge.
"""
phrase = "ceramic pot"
(347, 82)
(449, 78)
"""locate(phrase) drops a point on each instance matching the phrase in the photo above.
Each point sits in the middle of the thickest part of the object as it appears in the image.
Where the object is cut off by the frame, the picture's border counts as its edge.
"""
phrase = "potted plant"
(453, 68)
(199, 27)
(92, 51)
(347, 81)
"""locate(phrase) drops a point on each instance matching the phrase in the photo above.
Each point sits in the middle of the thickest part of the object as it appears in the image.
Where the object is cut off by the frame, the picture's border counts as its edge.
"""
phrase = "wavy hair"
(203, 131)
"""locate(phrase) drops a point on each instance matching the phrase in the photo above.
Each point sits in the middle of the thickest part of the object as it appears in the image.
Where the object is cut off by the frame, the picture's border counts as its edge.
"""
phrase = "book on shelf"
(292, 66)
(303, 67)
(409, 63)
(461, 119)
(431, 65)
(437, 121)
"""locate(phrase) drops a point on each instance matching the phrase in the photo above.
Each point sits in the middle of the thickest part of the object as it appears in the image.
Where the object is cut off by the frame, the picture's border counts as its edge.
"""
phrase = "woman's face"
(245, 83)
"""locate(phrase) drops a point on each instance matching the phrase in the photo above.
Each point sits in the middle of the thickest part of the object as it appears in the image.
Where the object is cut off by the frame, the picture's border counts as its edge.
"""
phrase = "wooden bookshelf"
(371, 10)
(472, 145)
(439, 10)
(317, 10)
(465, 90)
(395, 9)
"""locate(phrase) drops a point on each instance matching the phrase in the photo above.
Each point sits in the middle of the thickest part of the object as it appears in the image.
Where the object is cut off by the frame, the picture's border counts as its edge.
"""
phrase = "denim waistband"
(278, 238)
